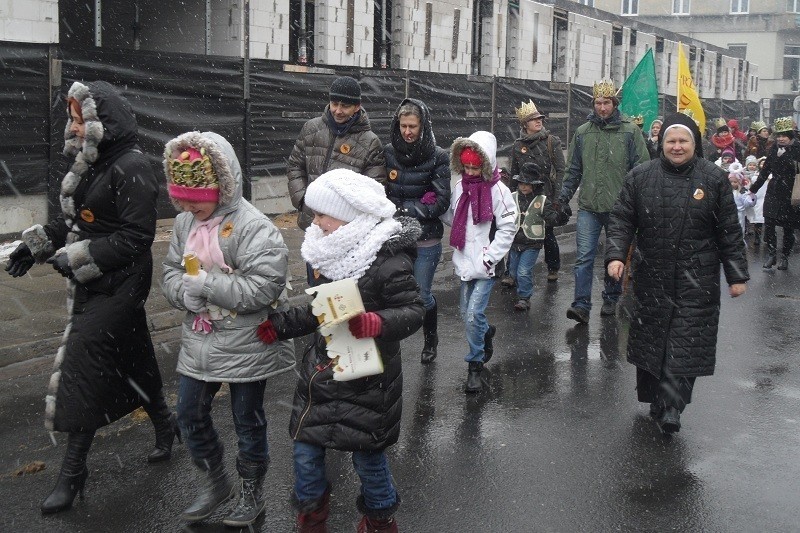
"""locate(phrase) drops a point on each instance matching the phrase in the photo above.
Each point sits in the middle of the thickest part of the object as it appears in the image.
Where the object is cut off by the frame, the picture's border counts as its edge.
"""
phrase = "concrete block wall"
(269, 29)
(408, 36)
(622, 61)
(527, 31)
(29, 21)
(20, 212)
(330, 36)
(728, 73)
(708, 83)
(586, 49)
(493, 54)
(667, 68)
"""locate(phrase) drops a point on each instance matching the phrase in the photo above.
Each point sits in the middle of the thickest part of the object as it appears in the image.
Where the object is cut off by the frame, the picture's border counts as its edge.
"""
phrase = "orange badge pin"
(393, 174)
(227, 229)
(524, 150)
(537, 205)
(698, 194)
(344, 148)
(87, 215)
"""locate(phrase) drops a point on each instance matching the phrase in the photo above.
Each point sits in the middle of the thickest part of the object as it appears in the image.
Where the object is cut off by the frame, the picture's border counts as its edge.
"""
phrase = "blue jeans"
(372, 468)
(424, 268)
(474, 299)
(520, 267)
(194, 418)
(587, 236)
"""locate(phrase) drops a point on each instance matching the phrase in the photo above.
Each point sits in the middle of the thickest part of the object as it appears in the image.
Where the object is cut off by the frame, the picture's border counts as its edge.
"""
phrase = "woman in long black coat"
(781, 162)
(106, 365)
(681, 210)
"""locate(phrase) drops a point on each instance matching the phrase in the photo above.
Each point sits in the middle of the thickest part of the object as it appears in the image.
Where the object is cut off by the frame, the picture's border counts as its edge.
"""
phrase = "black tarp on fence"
(173, 93)
(24, 118)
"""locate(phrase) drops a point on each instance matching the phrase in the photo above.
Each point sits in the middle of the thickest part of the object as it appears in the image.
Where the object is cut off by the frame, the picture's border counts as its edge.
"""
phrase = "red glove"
(266, 332)
(366, 325)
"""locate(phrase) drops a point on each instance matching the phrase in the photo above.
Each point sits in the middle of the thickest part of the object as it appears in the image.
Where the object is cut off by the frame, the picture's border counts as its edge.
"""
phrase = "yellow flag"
(687, 94)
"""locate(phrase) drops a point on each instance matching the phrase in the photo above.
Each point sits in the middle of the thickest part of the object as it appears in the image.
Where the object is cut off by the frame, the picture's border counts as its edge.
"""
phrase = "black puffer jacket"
(415, 169)
(318, 149)
(107, 225)
(778, 200)
(362, 414)
(685, 224)
(549, 156)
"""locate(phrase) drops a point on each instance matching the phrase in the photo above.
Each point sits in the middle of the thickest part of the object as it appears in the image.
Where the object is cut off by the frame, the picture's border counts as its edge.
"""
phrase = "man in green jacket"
(601, 153)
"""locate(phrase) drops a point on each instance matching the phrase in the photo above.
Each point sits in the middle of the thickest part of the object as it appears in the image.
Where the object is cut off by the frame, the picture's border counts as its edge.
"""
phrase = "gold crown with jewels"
(638, 119)
(526, 111)
(783, 124)
(757, 126)
(719, 122)
(604, 89)
(689, 113)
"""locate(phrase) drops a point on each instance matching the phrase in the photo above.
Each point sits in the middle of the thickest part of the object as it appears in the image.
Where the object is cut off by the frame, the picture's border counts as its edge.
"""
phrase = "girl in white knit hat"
(353, 235)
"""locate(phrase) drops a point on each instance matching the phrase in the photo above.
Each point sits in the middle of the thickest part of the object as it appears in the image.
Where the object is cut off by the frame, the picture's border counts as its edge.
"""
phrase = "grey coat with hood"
(253, 247)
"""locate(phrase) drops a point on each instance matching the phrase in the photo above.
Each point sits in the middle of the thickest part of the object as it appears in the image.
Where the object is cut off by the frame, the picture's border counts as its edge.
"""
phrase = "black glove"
(20, 261)
(61, 263)
(567, 210)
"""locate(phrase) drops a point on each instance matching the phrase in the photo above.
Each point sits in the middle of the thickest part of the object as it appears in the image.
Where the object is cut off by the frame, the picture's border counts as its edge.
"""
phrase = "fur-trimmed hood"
(482, 142)
(406, 238)
(423, 148)
(223, 159)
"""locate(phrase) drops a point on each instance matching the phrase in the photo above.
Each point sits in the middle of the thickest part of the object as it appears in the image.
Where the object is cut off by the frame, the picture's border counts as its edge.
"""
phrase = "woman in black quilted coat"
(681, 210)
(781, 162)
(106, 366)
(419, 185)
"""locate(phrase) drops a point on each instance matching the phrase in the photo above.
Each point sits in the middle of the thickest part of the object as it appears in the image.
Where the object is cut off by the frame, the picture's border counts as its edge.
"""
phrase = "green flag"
(640, 91)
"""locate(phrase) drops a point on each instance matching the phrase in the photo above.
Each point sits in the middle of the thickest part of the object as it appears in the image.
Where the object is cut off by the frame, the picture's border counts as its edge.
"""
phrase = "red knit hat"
(470, 156)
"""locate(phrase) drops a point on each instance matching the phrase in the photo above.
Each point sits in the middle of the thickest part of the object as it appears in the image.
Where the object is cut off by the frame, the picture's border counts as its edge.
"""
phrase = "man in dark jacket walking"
(682, 212)
(341, 138)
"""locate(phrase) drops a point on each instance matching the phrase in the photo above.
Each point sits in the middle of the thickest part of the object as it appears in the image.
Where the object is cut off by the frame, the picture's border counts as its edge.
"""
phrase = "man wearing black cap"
(341, 138)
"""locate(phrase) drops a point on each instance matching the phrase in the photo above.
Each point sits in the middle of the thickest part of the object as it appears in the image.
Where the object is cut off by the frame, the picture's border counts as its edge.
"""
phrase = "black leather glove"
(61, 263)
(20, 261)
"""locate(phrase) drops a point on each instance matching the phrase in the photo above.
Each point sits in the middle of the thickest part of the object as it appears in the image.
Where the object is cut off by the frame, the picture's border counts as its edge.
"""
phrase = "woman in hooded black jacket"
(681, 210)
(106, 365)
(419, 185)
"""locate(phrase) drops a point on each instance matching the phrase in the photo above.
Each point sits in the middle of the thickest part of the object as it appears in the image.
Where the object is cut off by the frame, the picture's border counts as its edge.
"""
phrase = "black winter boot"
(430, 333)
(488, 343)
(215, 490)
(73, 474)
(166, 426)
(670, 421)
(251, 494)
(772, 258)
(474, 378)
(783, 264)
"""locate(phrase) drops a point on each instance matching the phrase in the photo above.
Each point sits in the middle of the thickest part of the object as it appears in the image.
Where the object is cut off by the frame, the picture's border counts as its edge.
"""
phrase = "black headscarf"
(685, 120)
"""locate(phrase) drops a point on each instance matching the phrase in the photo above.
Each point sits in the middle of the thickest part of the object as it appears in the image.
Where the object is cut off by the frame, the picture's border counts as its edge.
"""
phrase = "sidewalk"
(34, 317)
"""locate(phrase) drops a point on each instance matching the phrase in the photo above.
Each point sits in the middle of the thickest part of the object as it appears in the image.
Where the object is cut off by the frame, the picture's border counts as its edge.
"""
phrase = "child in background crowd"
(534, 213)
(243, 277)
(755, 214)
(482, 215)
(743, 198)
(352, 235)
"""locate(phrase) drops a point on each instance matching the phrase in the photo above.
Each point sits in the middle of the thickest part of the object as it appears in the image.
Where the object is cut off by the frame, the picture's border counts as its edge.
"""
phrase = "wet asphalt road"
(557, 442)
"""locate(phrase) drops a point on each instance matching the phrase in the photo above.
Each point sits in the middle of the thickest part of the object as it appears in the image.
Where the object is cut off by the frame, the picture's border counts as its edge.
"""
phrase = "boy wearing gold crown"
(536, 145)
(601, 153)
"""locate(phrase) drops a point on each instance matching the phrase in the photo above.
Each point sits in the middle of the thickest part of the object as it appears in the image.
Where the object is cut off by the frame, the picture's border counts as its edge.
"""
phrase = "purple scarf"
(476, 193)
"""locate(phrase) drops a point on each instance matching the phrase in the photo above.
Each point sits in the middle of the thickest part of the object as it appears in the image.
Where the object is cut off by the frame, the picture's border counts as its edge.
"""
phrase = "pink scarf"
(203, 241)
(476, 193)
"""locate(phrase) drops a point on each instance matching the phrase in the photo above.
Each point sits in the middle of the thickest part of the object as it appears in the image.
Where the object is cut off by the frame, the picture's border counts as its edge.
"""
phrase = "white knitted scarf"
(350, 250)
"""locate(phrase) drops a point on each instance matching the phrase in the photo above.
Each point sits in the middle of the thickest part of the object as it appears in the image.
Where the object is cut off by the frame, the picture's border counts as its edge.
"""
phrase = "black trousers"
(552, 254)
(771, 238)
(668, 390)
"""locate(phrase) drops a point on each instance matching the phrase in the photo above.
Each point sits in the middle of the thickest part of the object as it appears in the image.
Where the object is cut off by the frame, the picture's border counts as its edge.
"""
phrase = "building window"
(589, 3)
(739, 48)
(630, 7)
(740, 7)
(791, 62)
(793, 6)
(681, 7)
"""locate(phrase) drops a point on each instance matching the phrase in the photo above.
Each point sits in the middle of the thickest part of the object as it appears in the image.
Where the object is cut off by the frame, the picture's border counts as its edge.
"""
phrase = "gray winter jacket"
(253, 247)
(318, 150)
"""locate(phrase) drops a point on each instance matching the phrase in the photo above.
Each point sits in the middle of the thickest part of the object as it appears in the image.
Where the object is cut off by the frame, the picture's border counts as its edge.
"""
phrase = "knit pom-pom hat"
(344, 194)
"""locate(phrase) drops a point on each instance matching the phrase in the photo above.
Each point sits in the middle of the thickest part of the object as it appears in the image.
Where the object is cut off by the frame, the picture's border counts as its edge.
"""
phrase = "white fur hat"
(344, 194)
